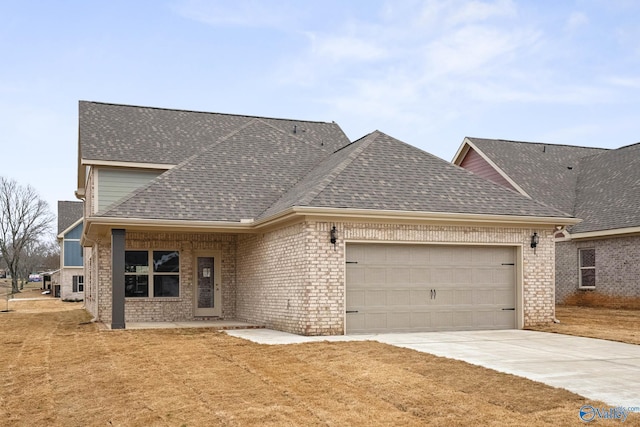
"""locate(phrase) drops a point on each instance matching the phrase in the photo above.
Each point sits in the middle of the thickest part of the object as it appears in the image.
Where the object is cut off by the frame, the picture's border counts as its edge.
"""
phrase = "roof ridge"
(206, 112)
(327, 178)
(340, 167)
(541, 143)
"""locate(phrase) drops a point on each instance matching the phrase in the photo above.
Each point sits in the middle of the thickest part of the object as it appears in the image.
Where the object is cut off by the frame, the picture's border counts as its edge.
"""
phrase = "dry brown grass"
(58, 369)
(596, 322)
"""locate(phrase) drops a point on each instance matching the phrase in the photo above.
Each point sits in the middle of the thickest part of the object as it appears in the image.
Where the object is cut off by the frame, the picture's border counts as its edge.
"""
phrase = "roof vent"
(570, 167)
(295, 129)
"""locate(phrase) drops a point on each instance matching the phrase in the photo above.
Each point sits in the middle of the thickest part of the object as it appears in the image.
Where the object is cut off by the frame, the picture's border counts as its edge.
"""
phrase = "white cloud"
(345, 48)
(576, 21)
(475, 50)
(627, 82)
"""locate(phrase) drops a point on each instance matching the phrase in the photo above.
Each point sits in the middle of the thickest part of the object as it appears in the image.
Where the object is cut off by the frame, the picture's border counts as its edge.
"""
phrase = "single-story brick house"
(286, 223)
(600, 256)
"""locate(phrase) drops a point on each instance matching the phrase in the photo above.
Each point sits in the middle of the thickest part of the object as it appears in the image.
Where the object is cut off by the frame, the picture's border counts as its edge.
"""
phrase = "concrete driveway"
(597, 369)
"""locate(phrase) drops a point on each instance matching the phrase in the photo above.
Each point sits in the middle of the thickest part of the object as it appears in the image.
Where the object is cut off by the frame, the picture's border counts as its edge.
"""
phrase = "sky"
(426, 72)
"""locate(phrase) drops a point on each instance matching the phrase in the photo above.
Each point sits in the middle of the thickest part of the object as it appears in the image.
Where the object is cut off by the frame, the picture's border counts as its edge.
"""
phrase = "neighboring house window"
(587, 268)
(161, 280)
(78, 283)
(72, 248)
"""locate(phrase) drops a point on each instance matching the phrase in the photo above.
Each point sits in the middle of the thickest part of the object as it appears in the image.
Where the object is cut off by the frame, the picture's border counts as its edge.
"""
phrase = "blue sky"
(426, 72)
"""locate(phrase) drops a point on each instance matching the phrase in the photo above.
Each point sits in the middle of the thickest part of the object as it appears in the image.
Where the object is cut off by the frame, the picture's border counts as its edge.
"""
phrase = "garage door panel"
(355, 277)
(376, 321)
(443, 297)
(398, 254)
(375, 298)
(441, 276)
(462, 319)
(399, 320)
(420, 276)
(503, 276)
(429, 288)
(463, 296)
(419, 255)
(420, 296)
(399, 297)
(463, 276)
(503, 298)
(375, 275)
(484, 297)
(355, 298)
(398, 276)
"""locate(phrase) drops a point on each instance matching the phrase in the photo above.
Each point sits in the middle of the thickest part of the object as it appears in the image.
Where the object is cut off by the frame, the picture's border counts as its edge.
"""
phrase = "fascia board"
(615, 232)
(71, 227)
(96, 224)
(132, 165)
(440, 217)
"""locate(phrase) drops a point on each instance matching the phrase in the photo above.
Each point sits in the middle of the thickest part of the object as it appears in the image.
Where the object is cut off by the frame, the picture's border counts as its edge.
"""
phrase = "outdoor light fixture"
(534, 240)
(334, 233)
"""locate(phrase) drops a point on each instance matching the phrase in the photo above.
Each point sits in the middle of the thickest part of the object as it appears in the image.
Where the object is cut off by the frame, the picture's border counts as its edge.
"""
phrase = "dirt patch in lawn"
(58, 369)
(604, 323)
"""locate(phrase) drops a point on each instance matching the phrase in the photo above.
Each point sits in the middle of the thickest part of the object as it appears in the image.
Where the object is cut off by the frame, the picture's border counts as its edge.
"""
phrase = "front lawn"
(58, 369)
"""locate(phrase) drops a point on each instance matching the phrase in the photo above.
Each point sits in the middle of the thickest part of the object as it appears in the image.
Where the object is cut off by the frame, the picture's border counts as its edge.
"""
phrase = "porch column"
(117, 278)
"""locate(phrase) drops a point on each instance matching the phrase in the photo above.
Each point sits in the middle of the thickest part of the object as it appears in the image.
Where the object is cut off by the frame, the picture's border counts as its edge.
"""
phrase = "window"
(162, 280)
(78, 283)
(587, 259)
(71, 248)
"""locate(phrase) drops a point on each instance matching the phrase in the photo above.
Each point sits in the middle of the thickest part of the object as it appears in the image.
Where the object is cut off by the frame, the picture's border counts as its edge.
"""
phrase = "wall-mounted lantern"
(535, 239)
(334, 236)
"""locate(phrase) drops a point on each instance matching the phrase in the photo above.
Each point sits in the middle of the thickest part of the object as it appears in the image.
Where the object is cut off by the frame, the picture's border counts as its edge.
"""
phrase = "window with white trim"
(587, 261)
(77, 283)
(161, 280)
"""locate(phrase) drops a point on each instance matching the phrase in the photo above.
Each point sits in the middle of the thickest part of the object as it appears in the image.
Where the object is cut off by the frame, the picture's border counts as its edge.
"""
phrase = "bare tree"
(25, 218)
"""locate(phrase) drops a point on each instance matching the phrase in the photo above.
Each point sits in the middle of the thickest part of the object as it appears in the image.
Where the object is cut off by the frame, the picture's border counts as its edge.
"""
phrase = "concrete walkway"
(596, 369)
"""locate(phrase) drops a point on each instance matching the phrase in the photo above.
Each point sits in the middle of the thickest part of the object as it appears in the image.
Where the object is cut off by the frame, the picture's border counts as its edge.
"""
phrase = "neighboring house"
(288, 224)
(598, 258)
(70, 277)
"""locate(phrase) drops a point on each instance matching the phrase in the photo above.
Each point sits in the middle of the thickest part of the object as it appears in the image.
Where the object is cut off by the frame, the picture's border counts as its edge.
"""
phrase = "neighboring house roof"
(68, 214)
(259, 171)
(608, 191)
(598, 185)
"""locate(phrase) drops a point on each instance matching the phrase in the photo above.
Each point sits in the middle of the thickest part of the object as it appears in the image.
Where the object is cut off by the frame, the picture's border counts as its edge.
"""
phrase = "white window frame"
(581, 268)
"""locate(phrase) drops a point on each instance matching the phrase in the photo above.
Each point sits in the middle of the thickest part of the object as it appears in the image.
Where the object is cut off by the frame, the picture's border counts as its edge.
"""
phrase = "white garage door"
(395, 288)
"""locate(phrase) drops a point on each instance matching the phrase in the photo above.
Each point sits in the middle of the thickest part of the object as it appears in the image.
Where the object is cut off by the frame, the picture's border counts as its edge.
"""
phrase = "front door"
(207, 293)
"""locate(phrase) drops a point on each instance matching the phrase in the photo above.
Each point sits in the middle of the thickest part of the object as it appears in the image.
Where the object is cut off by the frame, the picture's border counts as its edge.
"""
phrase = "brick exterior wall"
(293, 278)
(98, 289)
(66, 283)
(617, 267)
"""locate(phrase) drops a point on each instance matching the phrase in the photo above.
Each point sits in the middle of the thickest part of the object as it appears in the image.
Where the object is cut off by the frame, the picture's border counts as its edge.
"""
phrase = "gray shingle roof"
(381, 172)
(68, 214)
(608, 191)
(111, 132)
(547, 172)
(231, 168)
(237, 178)
(599, 186)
